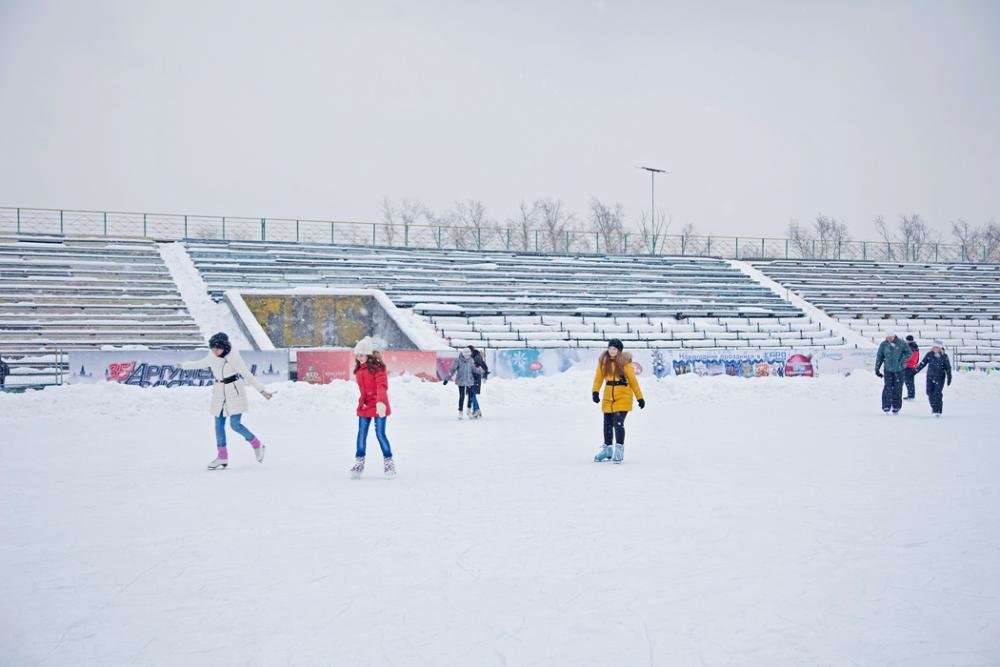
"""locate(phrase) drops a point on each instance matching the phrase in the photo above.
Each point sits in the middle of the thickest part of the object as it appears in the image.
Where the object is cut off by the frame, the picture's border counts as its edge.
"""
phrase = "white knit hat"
(364, 346)
(938, 342)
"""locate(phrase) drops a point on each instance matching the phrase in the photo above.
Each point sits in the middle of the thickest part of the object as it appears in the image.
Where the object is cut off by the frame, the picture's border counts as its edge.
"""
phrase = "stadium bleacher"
(956, 303)
(58, 294)
(62, 293)
(499, 299)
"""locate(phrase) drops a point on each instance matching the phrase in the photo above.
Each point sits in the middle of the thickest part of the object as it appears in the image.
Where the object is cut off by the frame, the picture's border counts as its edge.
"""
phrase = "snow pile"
(210, 316)
(767, 521)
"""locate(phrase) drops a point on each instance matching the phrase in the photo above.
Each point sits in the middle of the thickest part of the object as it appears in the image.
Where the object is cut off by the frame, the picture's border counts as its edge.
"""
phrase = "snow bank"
(210, 316)
(767, 521)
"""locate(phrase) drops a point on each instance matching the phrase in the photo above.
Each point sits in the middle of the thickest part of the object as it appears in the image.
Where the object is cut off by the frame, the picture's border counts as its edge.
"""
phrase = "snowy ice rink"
(758, 522)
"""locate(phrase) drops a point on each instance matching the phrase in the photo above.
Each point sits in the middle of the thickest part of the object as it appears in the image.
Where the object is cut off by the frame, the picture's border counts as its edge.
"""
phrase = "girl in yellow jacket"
(616, 373)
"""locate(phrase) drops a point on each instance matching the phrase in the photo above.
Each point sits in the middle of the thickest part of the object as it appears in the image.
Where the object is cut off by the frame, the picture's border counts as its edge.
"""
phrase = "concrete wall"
(319, 320)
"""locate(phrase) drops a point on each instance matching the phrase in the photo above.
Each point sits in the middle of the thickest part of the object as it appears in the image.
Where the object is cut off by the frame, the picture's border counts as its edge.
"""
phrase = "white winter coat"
(228, 399)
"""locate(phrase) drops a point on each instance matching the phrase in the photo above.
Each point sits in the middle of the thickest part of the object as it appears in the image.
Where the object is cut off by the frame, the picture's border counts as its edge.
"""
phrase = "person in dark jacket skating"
(911, 364)
(938, 375)
(892, 354)
(479, 377)
(466, 374)
(4, 372)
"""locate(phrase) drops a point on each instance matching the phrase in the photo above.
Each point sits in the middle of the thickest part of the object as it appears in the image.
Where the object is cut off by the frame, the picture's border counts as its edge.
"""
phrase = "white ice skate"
(477, 415)
(218, 464)
(619, 454)
(358, 468)
(469, 413)
(603, 454)
(390, 469)
(259, 453)
(461, 415)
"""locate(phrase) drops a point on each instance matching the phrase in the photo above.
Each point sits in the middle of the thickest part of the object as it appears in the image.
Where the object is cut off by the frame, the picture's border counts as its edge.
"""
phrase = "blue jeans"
(383, 442)
(234, 423)
(473, 398)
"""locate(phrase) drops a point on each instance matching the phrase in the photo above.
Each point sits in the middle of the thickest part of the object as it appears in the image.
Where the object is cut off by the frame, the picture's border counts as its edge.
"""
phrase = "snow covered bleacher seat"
(956, 303)
(59, 294)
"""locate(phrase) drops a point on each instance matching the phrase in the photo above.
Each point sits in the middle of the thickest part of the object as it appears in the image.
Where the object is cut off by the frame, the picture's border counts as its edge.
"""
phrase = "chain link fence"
(167, 226)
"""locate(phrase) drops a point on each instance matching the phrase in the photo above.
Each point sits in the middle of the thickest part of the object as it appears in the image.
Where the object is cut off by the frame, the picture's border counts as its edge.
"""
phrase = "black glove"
(949, 382)
(597, 397)
(642, 403)
(879, 373)
(446, 382)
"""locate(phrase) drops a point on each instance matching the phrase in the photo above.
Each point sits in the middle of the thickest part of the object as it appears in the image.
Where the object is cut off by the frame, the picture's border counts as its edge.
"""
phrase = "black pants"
(935, 394)
(614, 423)
(892, 391)
(911, 386)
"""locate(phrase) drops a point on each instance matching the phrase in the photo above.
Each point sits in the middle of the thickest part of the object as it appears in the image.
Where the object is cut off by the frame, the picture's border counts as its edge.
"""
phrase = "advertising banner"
(325, 366)
(661, 363)
(415, 362)
(160, 368)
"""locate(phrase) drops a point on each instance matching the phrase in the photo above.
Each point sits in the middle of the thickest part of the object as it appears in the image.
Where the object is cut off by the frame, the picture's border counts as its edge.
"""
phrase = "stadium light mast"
(653, 171)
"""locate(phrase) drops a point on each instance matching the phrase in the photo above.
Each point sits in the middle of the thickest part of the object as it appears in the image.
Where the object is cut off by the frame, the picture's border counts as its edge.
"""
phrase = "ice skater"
(616, 373)
(938, 374)
(911, 364)
(229, 395)
(373, 403)
(893, 353)
(464, 372)
(481, 372)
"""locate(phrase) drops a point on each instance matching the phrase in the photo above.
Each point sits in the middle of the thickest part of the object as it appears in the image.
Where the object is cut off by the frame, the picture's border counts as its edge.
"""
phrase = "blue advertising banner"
(160, 368)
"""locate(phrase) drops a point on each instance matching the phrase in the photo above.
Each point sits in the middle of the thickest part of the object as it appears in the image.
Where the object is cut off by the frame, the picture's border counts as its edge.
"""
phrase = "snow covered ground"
(762, 522)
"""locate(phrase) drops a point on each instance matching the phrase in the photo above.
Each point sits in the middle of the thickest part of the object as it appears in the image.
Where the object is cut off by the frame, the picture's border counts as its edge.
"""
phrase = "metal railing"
(175, 226)
(35, 370)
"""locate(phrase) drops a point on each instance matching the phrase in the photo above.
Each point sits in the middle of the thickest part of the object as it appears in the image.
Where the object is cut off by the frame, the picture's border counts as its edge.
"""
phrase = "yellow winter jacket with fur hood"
(618, 395)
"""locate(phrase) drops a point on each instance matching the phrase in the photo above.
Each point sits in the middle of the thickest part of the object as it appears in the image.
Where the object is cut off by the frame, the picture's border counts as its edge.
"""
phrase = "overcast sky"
(763, 112)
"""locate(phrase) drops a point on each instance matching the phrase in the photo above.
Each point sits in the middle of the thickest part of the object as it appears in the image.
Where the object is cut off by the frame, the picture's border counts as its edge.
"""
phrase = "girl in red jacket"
(373, 382)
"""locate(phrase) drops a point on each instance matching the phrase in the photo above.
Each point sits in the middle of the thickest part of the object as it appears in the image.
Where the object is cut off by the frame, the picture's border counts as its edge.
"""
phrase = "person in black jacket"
(478, 378)
(4, 372)
(938, 374)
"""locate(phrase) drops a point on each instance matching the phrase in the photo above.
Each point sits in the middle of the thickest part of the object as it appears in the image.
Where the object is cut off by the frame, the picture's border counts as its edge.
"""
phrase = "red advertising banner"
(415, 362)
(325, 366)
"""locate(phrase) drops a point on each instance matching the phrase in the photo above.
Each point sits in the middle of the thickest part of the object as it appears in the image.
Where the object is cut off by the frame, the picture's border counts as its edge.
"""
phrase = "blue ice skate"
(619, 454)
(603, 454)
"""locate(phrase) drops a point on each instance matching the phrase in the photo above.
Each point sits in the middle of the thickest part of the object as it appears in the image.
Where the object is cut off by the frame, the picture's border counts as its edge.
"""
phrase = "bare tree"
(608, 223)
(524, 224)
(555, 222)
(411, 214)
(692, 243)
(445, 234)
(801, 239)
(883, 230)
(830, 235)
(402, 216)
(653, 230)
(470, 216)
(978, 244)
(389, 220)
(915, 235)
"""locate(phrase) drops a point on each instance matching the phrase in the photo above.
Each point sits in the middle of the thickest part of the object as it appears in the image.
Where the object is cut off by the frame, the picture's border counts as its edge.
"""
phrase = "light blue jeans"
(234, 423)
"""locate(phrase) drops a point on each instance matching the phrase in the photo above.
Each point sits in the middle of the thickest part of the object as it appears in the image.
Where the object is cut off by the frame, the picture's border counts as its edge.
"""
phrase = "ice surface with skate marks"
(765, 522)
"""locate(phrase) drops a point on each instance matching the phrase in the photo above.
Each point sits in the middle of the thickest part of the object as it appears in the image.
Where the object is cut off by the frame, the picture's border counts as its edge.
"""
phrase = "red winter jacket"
(913, 360)
(374, 386)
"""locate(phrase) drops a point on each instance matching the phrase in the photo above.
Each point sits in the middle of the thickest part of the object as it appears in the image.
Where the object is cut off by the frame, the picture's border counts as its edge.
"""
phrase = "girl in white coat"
(229, 395)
